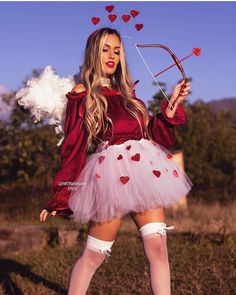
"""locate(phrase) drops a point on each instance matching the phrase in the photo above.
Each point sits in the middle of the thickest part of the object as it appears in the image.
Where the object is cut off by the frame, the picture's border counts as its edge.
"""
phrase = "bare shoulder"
(78, 88)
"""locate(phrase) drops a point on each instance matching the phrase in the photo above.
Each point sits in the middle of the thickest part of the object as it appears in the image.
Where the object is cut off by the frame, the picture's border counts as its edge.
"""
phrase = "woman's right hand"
(44, 213)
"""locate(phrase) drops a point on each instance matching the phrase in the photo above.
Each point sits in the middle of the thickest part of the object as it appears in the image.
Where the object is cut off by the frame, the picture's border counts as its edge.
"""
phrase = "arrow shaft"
(173, 65)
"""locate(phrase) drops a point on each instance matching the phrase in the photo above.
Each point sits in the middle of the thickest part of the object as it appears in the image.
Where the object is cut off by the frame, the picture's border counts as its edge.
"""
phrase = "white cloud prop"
(45, 98)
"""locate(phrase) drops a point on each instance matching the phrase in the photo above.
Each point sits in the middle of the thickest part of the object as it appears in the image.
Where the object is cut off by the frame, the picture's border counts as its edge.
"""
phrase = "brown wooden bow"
(180, 67)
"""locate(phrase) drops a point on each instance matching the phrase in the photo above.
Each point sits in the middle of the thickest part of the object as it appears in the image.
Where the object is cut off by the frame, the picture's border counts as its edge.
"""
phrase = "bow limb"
(180, 67)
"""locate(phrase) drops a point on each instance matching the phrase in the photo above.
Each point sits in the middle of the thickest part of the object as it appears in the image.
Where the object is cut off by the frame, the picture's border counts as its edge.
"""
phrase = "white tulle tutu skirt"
(134, 176)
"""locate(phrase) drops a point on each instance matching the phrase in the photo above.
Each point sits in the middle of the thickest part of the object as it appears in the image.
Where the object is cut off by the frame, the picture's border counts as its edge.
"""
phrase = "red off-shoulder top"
(73, 151)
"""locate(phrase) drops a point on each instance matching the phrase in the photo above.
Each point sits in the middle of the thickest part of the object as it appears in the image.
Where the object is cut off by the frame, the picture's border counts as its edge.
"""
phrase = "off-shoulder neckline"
(105, 90)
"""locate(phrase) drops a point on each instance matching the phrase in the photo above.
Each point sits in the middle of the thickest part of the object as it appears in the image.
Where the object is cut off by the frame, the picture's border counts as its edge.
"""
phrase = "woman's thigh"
(142, 218)
(106, 230)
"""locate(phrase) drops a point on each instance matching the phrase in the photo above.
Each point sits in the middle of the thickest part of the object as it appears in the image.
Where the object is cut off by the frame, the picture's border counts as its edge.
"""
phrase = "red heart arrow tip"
(196, 51)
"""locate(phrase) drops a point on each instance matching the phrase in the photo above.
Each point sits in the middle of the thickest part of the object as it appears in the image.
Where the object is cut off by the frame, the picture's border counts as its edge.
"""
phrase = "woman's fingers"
(181, 91)
(54, 213)
(44, 214)
(185, 88)
(183, 85)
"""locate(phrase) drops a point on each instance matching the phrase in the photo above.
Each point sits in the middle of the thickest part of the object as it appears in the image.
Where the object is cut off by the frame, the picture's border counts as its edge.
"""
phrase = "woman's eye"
(116, 52)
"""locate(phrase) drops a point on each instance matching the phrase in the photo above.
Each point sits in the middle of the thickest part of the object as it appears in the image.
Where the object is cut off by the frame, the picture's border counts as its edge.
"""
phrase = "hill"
(225, 104)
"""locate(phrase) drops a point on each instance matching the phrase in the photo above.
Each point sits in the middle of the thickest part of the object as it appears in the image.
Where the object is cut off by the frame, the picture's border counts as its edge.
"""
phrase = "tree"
(208, 141)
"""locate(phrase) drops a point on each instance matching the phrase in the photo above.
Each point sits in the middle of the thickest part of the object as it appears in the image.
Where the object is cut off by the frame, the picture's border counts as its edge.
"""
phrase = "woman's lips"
(110, 64)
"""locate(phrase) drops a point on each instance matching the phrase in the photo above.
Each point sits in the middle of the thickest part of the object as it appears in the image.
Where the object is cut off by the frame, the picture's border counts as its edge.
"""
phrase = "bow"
(154, 76)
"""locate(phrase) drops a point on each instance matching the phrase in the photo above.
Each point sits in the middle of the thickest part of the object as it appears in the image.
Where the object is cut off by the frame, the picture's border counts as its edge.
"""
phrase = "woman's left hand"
(183, 94)
(170, 110)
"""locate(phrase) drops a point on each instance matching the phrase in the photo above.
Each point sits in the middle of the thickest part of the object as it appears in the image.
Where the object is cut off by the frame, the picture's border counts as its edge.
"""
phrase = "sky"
(37, 34)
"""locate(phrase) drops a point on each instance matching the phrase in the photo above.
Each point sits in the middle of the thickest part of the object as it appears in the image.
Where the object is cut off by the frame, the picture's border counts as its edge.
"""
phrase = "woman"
(115, 160)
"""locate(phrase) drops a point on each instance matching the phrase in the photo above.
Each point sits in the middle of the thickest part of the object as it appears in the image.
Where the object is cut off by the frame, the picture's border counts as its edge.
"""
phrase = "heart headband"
(125, 18)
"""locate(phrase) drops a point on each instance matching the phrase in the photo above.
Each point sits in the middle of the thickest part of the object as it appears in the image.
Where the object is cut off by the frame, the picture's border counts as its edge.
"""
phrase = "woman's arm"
(73, 156)
(162, 125)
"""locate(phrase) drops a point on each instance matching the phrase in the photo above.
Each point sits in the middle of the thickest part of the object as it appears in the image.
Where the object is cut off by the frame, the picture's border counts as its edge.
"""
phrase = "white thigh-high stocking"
(94, 254)
(154, 241)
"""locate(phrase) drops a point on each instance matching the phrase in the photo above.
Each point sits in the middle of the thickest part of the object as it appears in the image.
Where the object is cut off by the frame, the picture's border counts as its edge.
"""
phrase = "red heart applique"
(134, 12)
(128, 147)
(124, 179)
(120, 157)
(175, 173)
(97, 175)
(95, 20)
(112, 17)
(196, 51)
(138, 27)
(126, 17)
(101, 159)
(169, 156)
(156, 172)
(136, 157)
(109, 8)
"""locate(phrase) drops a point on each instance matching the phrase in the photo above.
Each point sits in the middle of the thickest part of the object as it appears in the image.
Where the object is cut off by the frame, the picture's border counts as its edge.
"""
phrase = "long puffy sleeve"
(162, 127)
(73, 156)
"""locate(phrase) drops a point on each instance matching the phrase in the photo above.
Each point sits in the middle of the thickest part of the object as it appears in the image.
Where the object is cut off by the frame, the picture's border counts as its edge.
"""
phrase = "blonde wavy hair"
(95, 104)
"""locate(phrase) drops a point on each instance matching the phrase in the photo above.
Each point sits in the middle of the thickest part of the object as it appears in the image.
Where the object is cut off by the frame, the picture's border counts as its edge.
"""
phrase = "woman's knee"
(151, 222)
(106, 231)
(156, 247)
(99, 246)
(101, 237)
(92, 259)
(153, 231)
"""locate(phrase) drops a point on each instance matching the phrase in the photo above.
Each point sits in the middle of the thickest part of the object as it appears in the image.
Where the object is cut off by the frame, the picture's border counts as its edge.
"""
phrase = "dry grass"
(199, 266)
(198, 218)
(201, 253)
(208, 218)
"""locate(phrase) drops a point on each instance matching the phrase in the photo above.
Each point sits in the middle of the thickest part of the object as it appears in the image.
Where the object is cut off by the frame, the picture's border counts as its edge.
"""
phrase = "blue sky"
(36, 34)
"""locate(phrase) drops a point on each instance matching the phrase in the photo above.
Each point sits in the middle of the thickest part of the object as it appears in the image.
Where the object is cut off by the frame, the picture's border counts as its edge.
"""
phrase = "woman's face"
(111, 54)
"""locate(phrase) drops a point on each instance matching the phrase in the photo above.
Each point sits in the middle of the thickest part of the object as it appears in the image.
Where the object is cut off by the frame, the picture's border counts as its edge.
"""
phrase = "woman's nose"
(111, 54)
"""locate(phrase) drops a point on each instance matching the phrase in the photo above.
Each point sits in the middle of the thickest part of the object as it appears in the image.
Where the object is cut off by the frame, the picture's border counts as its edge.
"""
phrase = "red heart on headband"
(197, 51)
(134, 12)
(95, 20)
(109, 8)
(112, 17)
(126, 17)
(138, 27)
